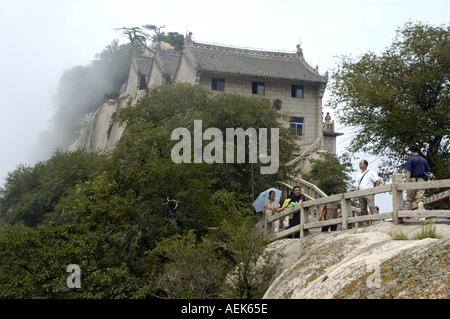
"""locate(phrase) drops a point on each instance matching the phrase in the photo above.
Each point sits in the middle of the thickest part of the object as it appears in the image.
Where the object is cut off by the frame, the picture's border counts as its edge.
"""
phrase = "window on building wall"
(297, 91)
(218, 84)
(297, 125)
(258, 88)
(143, 83)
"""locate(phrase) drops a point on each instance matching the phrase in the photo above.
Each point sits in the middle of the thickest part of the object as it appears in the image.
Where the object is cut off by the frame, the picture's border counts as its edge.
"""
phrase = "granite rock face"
(364, 263)
(98, 131)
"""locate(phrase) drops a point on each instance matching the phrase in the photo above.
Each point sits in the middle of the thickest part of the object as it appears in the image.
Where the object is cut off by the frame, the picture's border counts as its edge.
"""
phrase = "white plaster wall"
(185, 73)
(132, 82)
(155, 76)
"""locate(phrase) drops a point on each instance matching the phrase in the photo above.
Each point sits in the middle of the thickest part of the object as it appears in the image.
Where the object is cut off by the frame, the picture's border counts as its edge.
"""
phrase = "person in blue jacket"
(416, 167)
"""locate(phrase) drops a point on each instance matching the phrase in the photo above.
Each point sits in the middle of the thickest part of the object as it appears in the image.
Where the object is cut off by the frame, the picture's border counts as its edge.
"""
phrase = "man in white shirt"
(364, 180)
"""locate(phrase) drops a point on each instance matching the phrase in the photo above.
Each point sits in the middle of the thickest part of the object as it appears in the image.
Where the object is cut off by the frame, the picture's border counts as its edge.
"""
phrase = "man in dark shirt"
(416, 167)
(297, 198)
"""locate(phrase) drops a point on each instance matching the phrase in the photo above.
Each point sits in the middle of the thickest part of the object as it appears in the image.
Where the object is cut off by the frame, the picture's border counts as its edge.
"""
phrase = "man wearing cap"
(416, 167)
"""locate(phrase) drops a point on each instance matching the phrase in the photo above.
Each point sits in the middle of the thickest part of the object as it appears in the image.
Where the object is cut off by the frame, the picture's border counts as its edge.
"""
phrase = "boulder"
(363, 263)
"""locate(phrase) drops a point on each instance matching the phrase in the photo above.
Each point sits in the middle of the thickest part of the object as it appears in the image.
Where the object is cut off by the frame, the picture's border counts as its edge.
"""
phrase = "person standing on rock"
(365, 180)
(296, 199)
(290, 218)
(273, 205)
(416, 167)
(330, 211)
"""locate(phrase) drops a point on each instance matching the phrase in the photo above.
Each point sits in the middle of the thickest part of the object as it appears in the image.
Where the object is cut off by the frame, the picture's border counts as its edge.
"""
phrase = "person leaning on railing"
(365, 180)
(329, 211)
(273, 205)
(297, 198)
(416, 167)
(289, 218)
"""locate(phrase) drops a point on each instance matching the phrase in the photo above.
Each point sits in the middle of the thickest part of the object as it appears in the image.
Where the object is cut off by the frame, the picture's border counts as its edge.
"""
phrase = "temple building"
(285, 79)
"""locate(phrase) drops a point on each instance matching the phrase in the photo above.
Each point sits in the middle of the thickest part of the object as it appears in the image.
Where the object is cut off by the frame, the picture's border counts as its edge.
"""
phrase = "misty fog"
(43, 41)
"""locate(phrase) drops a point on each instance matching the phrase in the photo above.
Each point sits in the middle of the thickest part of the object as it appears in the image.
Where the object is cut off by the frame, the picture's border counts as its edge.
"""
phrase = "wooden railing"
(311, 192)
(435, 198)
(397, 187)
(316, 145)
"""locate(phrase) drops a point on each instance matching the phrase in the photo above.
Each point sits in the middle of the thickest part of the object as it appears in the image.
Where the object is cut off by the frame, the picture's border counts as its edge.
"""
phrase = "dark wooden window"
(258, 88)
(143, 83)
(218, 84)
(297, 91)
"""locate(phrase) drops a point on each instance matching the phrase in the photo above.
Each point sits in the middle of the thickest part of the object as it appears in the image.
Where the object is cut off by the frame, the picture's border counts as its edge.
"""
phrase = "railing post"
(266, 222)
(303, 221)
(397, 198)
(346, 210)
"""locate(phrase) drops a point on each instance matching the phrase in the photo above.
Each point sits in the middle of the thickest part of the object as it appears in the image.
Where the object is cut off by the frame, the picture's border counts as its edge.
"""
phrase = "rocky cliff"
(364, 263)
(98, 132)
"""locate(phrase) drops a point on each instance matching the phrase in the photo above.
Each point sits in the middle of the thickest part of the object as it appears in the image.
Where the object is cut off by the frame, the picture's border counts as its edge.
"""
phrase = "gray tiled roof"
(169, 61)
(277, 66)
(144, 65)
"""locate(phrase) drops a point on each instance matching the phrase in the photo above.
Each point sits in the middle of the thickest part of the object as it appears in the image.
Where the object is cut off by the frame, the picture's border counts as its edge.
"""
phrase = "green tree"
(190, 268)
(130, 213)
(331, 173)
(33, 264)
(128, 221)
(398, 98)
(142, 160)
(145, 196)
(114, 61)
(252, 268)
(236, 111)
(150, 123)
(173, 38)
(232, 206)
(32, 193)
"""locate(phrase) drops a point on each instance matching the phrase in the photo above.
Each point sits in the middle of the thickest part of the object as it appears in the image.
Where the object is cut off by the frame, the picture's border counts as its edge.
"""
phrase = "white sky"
(42, 38)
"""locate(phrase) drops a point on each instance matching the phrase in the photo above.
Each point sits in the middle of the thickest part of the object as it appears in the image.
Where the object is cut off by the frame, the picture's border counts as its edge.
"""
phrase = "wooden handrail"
(369, 191)
(434, 198)
(425, 185)
(305, 184)
(318, 192)
(298, 158)
(397, 214)
(324, 201)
